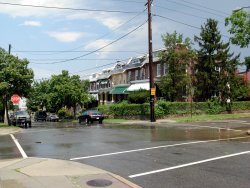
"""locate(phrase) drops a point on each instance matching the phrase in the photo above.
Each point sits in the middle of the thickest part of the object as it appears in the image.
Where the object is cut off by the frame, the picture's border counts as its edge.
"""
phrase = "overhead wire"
(104, 35)
(68, 8)
(94, 51)
(194, 8)
(199, 5)
(173, 20)
(180, 12)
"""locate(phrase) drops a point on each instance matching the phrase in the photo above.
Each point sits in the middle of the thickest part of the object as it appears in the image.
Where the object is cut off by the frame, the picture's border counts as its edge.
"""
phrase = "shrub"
(64, 114)
(139, 97)
(214, 106)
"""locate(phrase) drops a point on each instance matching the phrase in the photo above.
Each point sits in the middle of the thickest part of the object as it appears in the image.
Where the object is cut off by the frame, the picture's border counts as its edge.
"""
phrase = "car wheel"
(80, 121)
(29, 124)
(100, 122)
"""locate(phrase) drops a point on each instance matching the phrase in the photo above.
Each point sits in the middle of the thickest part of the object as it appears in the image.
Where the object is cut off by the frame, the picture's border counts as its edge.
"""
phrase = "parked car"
(52, 117)
(20, 118)
(40, 116)
(90, 116)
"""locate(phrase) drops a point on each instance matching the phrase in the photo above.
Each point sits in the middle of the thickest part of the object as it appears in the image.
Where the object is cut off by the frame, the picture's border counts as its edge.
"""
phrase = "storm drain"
(99, 183)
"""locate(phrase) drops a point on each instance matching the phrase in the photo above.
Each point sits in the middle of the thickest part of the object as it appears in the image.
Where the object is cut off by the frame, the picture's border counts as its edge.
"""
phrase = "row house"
(113, 85)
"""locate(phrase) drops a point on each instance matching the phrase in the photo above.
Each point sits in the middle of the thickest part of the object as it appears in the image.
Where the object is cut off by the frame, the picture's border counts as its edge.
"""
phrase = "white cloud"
(66, 36)
(32, 23)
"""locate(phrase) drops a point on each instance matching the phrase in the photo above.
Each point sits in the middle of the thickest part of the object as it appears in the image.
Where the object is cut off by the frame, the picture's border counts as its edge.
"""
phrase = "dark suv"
(20, 118)
(40, 116)
(91, 116)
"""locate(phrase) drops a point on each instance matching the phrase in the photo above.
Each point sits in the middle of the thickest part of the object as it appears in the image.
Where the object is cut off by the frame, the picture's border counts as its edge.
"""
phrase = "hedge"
(162, 108)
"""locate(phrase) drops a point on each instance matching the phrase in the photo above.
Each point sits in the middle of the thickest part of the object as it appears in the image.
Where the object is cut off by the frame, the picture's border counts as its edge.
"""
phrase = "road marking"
(19, 146)
(204, 126)
(157, 147)
(189, 164)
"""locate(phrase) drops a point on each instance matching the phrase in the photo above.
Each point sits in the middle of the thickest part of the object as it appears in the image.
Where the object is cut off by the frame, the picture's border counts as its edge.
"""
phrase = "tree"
(216, 66)
(15, 76)
(60, 91)
(176, 59)
(239, 22)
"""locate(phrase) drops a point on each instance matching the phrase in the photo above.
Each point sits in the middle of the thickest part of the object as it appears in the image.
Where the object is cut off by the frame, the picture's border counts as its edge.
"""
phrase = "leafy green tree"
(15, 76)
(216, 66)
(239, 22)
(60, 91)
(177, 58)
(38, 96)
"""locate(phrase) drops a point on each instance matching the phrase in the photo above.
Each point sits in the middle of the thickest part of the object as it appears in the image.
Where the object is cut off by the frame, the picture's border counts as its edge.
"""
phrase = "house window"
(136, 75)
(129, 76)
(142, 73)
(165, 69)
(158, 70)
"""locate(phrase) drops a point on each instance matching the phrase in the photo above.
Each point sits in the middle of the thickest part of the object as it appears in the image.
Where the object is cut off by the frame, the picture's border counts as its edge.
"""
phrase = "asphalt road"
(214, 154)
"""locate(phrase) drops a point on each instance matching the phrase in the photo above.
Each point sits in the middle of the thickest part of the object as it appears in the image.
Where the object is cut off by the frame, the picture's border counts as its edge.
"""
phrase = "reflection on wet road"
(131, 149)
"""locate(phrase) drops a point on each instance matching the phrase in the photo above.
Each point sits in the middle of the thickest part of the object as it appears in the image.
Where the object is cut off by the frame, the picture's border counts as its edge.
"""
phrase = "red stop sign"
(15, 99)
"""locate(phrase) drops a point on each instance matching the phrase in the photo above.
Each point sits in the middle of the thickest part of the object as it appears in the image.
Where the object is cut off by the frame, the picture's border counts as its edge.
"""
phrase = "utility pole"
(6, 115)
(150, 58)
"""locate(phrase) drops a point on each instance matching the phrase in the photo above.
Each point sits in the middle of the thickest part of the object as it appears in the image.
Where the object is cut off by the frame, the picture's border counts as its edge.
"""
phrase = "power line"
(73, 50)
(138, 2)
(195, 27)
(67, 8)
(123, 36)
(77, 51)
(176, 21)
(199, 5)
(194, 8)
(180, 12)
(45, 63)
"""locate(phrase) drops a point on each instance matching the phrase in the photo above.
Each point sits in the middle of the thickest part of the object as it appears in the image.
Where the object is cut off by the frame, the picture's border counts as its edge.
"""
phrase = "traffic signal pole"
(150, 58)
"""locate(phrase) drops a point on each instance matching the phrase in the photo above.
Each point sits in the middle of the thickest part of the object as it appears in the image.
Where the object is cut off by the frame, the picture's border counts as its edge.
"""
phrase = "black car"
(40, 116)
(90, 116)
(20, 118)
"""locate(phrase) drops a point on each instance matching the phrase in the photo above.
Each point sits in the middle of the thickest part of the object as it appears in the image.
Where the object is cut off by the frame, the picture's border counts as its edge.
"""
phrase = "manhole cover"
(99, 183)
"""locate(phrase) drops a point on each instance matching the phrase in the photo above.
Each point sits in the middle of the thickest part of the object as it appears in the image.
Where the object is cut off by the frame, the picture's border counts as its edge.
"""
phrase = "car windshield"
(22, 113)
(95, 113)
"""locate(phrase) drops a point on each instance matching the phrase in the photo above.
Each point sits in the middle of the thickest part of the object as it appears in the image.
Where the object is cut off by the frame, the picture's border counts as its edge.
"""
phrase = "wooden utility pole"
(150, 58)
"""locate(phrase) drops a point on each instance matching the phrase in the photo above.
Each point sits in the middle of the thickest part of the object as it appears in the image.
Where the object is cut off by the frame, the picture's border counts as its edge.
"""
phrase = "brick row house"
(112, 85)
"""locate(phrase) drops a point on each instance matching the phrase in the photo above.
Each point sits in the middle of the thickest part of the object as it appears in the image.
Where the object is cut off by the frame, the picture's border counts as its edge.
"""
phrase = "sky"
(85, 37)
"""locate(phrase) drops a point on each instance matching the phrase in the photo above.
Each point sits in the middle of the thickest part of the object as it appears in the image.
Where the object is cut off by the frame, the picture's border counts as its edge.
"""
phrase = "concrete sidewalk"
(48, 173)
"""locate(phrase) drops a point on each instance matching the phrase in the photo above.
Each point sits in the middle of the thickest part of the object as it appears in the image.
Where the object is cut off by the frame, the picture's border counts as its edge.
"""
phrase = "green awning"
(119, 90)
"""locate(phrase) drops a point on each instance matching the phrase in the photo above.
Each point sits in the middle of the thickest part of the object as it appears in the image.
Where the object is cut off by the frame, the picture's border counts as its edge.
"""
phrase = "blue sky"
(49, 38)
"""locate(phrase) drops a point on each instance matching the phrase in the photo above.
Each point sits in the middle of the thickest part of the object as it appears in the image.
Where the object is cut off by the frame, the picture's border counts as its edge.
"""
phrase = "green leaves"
(15, 76)
(60, 91)
(176, 58)
(239, 22)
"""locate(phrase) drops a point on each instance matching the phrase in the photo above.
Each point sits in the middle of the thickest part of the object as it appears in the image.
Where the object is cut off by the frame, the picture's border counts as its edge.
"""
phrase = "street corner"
(51, 172)
(6, 131)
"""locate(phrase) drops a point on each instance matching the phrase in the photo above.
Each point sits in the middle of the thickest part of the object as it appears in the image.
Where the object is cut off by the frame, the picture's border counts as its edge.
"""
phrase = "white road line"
(19, 146)
(189, 164)
(211, 127)
(157, 147)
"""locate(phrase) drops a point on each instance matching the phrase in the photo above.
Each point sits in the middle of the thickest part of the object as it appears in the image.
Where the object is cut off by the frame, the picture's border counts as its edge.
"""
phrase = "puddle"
(179, 133)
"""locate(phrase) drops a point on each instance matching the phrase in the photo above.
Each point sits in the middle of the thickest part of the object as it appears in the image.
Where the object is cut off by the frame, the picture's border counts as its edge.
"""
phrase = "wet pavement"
(128, 150)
